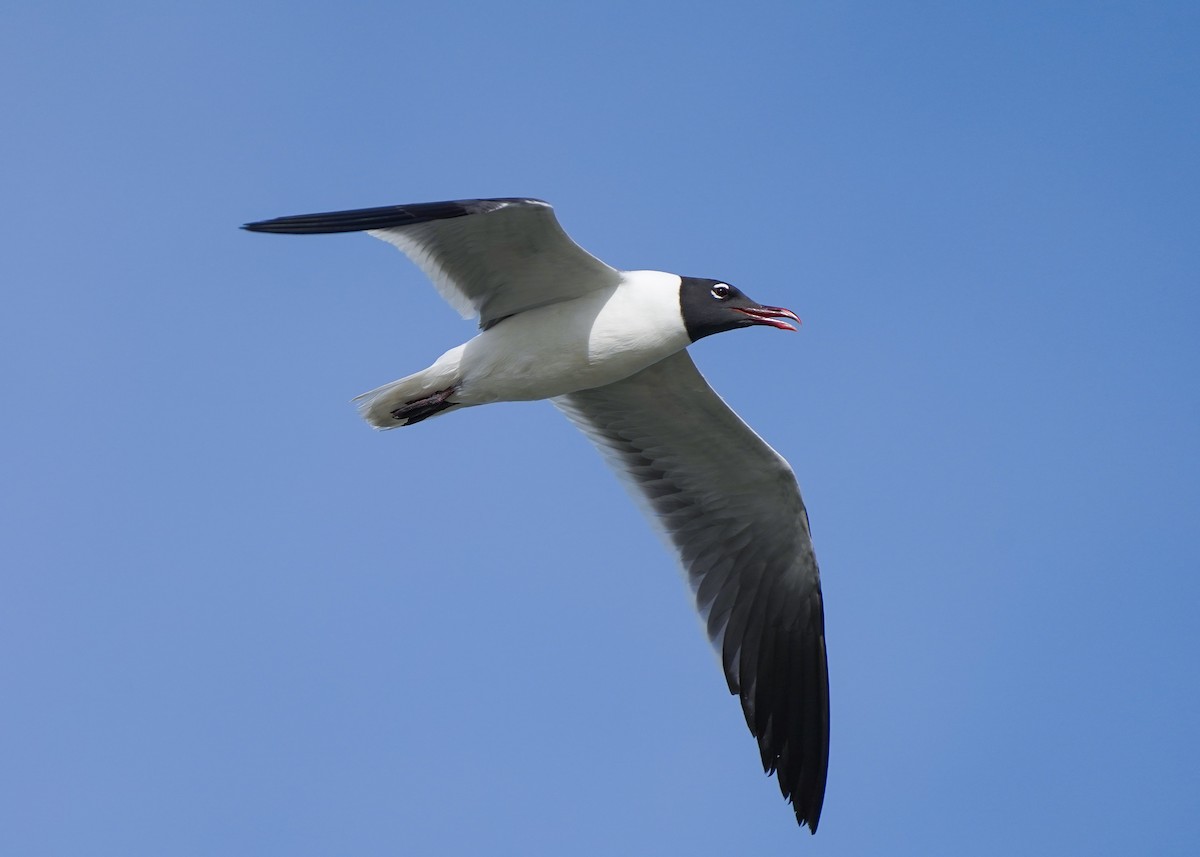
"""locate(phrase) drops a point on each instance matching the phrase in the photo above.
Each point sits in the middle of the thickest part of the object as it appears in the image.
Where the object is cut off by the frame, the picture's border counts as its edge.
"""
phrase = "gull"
(609, 349)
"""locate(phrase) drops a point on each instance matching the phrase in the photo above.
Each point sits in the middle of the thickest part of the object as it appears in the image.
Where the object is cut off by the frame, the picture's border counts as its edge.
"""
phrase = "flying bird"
(609, 349)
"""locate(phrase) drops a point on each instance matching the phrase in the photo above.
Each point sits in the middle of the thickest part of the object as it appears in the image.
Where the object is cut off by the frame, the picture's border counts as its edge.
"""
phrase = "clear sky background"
(236, 621)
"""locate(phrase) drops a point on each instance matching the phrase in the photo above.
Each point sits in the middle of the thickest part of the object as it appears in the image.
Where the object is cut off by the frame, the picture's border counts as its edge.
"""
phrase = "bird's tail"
(401, 403)
(412, 399)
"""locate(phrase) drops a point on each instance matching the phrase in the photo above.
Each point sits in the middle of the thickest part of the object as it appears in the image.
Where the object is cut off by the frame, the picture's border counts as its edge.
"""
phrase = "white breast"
(588, 342)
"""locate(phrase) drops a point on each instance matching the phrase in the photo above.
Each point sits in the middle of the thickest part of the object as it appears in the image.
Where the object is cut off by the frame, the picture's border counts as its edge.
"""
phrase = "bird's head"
(711, 306)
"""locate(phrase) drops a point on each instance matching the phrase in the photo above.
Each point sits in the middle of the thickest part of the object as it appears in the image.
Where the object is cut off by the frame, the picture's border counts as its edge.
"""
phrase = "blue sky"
(237, 621)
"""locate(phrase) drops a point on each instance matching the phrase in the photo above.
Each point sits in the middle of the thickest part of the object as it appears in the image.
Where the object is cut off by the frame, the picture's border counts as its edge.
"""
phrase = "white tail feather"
(376, 406)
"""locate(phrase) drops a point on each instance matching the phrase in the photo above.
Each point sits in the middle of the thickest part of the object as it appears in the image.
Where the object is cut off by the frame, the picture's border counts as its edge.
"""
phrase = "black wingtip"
(289, 226)
(384, 217)
(784, 689)
(358, 220)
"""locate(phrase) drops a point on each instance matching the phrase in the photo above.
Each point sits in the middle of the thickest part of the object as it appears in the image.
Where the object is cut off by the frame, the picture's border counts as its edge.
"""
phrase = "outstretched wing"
(489, 258)
(731, 507)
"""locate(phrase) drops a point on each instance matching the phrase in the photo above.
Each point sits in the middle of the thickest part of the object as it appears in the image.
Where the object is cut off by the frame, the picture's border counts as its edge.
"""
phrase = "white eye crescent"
(720, 292)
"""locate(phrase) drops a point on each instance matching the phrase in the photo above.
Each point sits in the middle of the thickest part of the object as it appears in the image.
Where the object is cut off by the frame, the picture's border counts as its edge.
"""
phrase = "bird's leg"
(421, 409)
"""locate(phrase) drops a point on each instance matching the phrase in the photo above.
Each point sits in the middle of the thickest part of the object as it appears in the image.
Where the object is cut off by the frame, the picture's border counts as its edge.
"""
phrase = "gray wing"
(489, 258)
(731, 507)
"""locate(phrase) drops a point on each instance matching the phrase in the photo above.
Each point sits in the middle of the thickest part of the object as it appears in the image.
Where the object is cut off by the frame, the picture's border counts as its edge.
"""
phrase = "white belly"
(576, 345)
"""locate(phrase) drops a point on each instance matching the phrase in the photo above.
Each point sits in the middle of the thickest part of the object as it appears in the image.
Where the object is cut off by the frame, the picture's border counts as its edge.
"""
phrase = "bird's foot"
(424, 408)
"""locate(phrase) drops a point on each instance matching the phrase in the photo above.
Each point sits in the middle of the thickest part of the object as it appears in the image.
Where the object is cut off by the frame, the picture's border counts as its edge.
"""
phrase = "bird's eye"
(720, 292)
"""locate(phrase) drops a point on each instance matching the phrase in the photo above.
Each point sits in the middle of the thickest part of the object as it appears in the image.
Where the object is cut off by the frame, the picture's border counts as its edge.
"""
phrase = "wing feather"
(732, 509)
(489, 258)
